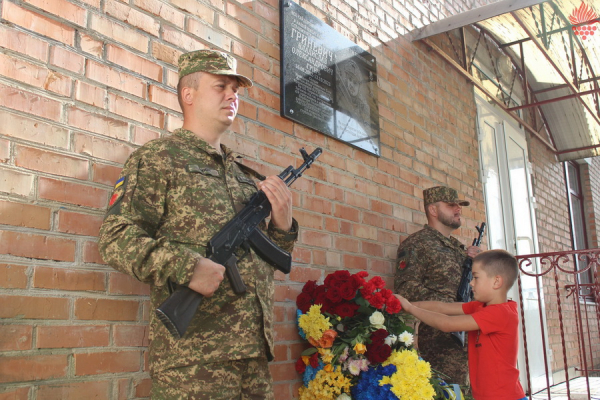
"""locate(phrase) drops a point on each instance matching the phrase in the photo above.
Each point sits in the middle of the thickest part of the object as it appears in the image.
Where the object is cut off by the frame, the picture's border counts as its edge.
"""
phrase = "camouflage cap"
(212, 61)
(442, 193)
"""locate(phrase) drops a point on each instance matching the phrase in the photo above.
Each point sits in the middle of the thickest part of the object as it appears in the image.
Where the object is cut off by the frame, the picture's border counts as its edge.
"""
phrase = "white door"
(510, 211)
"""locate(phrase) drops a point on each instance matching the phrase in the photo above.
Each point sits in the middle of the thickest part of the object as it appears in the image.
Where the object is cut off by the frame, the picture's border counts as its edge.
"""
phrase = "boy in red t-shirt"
(492, 322)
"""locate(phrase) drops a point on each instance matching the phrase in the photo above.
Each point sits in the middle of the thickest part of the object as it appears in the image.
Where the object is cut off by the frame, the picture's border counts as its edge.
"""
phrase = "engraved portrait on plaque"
(328, 82)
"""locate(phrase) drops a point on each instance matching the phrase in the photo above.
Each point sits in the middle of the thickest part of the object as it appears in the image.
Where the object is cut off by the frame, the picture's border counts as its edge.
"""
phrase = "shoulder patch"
(114, 205)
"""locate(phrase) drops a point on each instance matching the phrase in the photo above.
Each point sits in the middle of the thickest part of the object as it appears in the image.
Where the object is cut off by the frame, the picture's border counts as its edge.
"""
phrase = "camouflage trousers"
(238, 379)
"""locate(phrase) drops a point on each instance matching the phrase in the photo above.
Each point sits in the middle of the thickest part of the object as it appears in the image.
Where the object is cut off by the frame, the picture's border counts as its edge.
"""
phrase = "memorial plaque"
(328, 83)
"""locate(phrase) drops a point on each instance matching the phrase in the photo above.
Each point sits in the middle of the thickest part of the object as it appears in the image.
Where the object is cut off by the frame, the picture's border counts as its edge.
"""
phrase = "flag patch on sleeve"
(118, 192)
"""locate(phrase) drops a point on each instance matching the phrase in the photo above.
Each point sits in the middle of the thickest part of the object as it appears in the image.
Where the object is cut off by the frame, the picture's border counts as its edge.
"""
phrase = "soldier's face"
(216, 99)
(449, 214)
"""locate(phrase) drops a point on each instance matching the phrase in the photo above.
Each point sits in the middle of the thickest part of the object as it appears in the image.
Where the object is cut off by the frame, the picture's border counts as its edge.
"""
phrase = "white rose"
(344, 396)
(377, 319)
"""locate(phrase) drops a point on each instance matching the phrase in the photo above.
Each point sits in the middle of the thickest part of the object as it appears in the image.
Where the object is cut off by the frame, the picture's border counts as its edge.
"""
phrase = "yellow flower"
(327, 385)
(306, 360)
(328, 367)
(411, 381)
(360, 348)
(326, 355)
(313, 323)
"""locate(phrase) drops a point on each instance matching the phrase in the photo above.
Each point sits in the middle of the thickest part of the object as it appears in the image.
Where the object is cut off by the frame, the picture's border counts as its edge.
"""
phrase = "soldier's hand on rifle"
(207, 277)
(472, 251)
(280, 197)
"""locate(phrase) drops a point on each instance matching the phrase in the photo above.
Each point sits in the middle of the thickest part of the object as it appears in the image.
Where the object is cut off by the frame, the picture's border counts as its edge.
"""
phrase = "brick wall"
(85, 82)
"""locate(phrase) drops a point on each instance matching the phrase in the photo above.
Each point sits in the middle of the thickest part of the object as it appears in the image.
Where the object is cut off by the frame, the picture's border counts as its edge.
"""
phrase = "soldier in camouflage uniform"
(429, 267)
(172, 196)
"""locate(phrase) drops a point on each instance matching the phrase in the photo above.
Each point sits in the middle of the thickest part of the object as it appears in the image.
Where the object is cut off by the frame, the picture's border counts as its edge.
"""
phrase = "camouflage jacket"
(173, 195)
(429, 267)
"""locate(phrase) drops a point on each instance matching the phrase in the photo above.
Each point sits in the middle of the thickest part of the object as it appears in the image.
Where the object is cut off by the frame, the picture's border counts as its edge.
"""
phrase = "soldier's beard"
(449, 221)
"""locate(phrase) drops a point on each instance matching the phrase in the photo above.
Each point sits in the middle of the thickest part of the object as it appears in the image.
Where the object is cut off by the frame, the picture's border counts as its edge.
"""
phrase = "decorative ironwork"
(562, 268)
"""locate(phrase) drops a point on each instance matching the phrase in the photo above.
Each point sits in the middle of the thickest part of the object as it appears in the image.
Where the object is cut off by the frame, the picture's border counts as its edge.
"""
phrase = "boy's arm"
(438, 320)
(440, 307)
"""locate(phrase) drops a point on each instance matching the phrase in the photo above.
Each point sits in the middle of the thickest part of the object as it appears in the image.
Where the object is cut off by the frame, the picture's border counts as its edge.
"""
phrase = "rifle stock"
(177, 311)
(464, 294)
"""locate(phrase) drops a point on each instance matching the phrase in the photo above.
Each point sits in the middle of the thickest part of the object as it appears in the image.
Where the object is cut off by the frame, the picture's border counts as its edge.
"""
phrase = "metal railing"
(568, 295)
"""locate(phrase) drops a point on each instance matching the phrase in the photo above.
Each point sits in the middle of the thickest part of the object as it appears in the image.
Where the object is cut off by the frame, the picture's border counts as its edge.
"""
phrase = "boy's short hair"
(499, 262)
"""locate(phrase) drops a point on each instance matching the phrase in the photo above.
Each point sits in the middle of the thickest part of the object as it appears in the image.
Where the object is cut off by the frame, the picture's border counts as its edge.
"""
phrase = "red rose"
(392, 305)
(378, 353)
(348, 290)
(378, 282)
(358, 278)
(333, 294)
(321, 298)
(303, 302)
(377, 300)
(367, 290)
(346, 309)
(310, 287)
(379, 336)
(300, 366)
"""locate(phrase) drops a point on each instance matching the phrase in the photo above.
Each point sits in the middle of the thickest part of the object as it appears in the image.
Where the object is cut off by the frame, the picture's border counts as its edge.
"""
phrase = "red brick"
(43, 247)
(91, 253)
(91, 45)
(106, 310)
(33, 130)
(98, 124)
(100, 148)
(51, 162)
(79, 224)
(301, 255)
(284, 371)
(66, 59)
(239, 31)
(355, 262)
(142, 388)
(135, 111)
(164, 98)
(68, 279)
(120, 283)
(92, 390)
(142, 135)
(286, 332)
(165, 53)
(196, 8)
(121, 34)
(25, 215)
(105, 174)
(15, 394)
(15, 337)
(131, 335)
(63, 9)
(286, 293)
(16, 183)
(29, 103)
(37, 23)
(346, 213)
(115, 78)
(132, 62)
(72, 193)
(29, 307)
(181, 40)
(305, 274)
(256, 59)
(23, 43)
(13, 276)
(33, 368)
(315, 238)
(65, 336)
(243, 16)
(132, 17)
(162, 10)
(90, 94)
(107, 362)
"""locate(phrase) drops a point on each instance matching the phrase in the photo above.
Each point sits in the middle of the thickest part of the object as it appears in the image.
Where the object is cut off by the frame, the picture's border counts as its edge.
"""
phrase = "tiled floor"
(577, 390)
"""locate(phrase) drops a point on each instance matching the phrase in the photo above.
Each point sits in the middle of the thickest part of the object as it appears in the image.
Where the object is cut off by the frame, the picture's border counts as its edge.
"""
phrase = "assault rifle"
(464, 293)
(177, 311)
